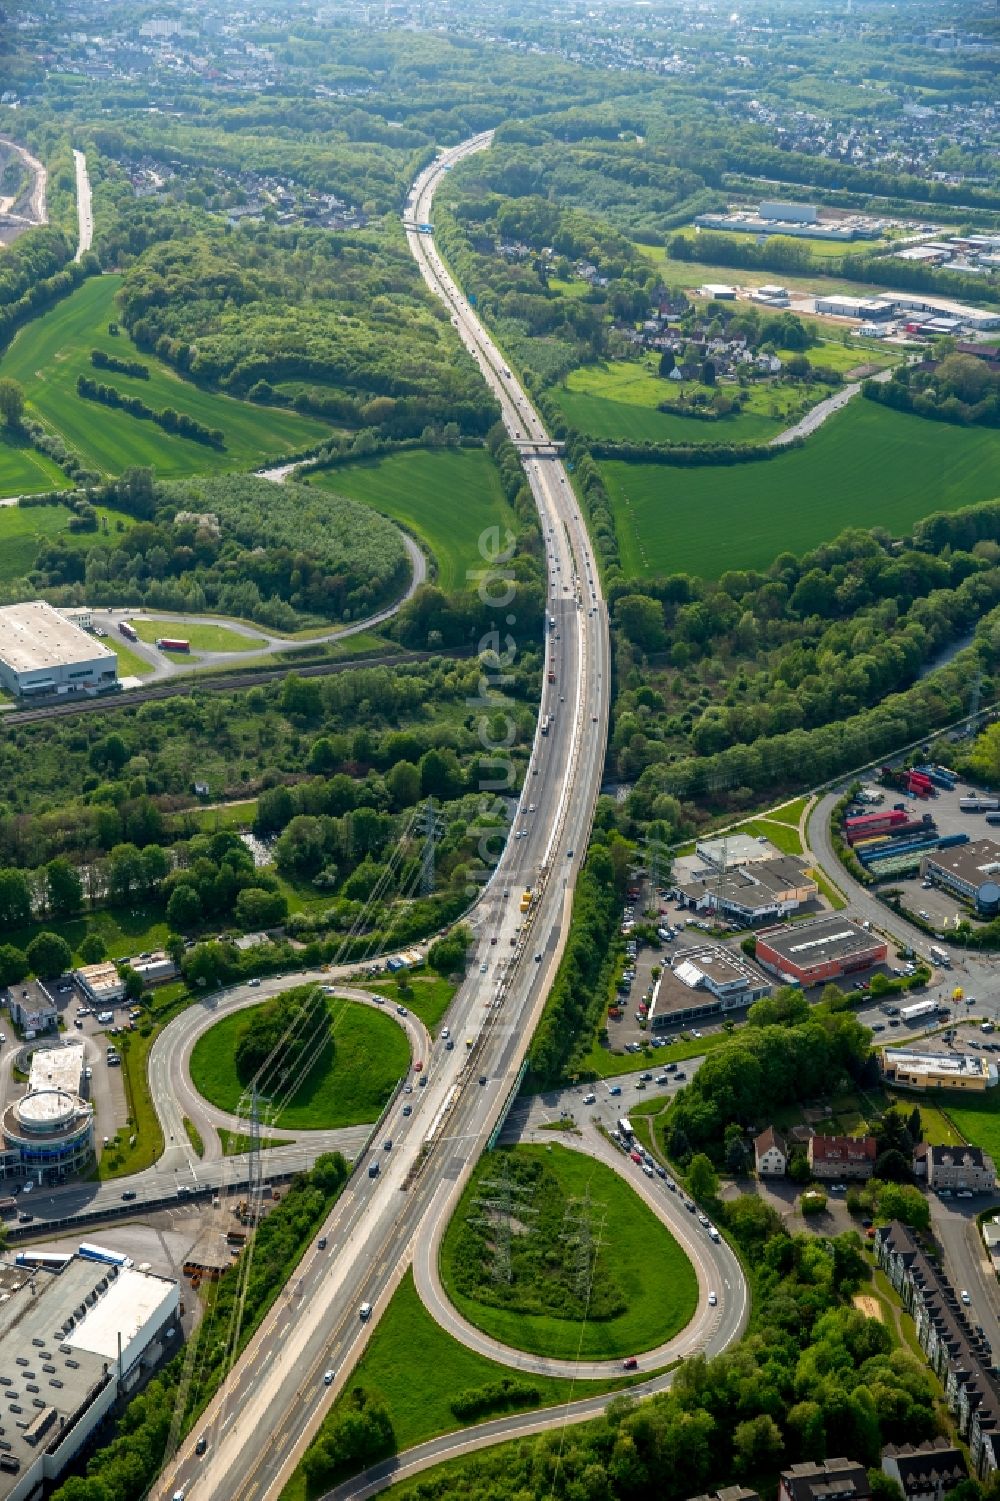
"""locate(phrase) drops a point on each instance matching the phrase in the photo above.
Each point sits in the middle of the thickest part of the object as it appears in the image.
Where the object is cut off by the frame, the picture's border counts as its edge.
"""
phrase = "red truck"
(172, 643)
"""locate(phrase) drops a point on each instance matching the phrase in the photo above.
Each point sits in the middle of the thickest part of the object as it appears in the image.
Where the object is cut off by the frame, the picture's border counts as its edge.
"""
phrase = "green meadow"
(867, 466)
(447, 498)
(49, 353)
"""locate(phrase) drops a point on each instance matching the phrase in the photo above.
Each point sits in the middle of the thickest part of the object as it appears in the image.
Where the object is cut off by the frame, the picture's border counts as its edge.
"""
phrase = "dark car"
(201, 1445)
(25, 1218)
(631, 1364)
(482, 1078)
(129, 1195)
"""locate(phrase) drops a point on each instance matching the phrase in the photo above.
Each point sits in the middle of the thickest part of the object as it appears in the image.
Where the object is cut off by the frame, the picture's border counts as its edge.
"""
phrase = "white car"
(965, 1297)
(712, 1300)
(29, 1186)
(327, 1378)
(445, 1032)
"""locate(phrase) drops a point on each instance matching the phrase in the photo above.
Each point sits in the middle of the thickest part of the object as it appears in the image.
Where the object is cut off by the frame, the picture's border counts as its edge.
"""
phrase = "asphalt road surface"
(166, 665)
(84, 208)
(262, 1420)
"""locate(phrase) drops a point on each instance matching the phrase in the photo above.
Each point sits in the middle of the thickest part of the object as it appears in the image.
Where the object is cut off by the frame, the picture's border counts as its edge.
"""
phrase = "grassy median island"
(642, 1290)
(348, 1085)
(419, 1375)
(803, 497)
(201, 635)
(447, 497)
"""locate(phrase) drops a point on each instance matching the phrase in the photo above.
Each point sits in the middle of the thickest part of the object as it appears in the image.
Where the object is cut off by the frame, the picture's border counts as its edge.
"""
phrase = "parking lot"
(934, 905)
(102, 1084)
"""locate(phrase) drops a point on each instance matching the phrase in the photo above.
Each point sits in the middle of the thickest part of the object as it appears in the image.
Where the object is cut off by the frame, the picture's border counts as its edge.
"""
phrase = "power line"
(503, 1201)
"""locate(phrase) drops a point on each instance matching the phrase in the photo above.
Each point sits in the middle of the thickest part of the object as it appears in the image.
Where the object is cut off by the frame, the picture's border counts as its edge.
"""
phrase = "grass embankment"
(130, 664)
(124, 933)
(790, 813)
(446, 497)
(782, 835)
(201, 637)
(604, 1063)
(24, 529)
(427, 996)
(234, 1144)
(802, 497)
(419, 1370)
(194, 1136)
(140, 1142)
(977, 1117)
(640, 1270)
(370, 1054)
(49, 353)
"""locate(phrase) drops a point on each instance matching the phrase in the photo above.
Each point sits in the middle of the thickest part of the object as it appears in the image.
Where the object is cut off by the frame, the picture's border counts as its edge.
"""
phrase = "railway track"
(215, 683)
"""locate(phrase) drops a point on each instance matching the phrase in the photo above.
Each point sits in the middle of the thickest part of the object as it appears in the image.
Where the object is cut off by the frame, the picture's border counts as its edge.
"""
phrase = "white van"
(365, 1311)
(104, 1017)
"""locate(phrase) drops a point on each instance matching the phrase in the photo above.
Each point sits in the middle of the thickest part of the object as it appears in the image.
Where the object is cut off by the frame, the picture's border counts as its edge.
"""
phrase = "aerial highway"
(261, 1421)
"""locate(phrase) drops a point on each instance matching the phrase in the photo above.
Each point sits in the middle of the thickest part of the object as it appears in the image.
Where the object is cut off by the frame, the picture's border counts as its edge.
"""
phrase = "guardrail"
(507, 1105)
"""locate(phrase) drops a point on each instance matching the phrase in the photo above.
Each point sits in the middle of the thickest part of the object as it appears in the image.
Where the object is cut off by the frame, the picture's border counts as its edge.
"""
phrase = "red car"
(635, 1157)
(418, 1065)
(631, 1364)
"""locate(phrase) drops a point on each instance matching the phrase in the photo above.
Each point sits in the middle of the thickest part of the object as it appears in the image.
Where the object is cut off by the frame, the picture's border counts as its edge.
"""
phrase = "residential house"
(954, 1352)
(966, 1168)
(770, 1154)
(919, 1163)
(834, 1480)
(925, 1471)
(730, 1493)
(842, 1156)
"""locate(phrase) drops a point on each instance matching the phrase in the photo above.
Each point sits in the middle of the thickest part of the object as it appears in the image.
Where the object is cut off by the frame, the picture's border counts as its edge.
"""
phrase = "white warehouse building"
(43, 653)
(75, 1332)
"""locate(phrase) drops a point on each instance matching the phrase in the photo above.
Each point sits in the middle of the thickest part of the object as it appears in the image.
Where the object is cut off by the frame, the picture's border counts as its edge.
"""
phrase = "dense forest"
(296, 314)
(339, 767)
(282, 555)
(759, 681)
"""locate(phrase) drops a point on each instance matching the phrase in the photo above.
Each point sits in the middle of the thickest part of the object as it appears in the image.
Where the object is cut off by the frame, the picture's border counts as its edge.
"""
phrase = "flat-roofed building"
(906, 1069)
(702, 981)
(815, 952)
(963, 869)
(57, 1068)
(734, 850)
(32, 1007)
(72, 1340)
(100, 983)
(871, 309)
(154, 969)
(42, 654)
(759, 892)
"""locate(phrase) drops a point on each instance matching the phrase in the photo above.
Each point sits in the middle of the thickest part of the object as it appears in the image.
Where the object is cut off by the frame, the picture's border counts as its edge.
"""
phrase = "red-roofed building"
(842, 1156)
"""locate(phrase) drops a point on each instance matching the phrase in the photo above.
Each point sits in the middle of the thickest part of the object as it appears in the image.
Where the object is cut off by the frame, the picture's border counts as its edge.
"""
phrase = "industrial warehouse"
(702, 981)
(75, 1333)
(43, 654)
(970, 871)
(816, 952)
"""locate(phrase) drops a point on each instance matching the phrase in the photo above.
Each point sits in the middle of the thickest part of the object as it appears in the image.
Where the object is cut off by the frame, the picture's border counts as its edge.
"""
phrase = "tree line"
(168, 418)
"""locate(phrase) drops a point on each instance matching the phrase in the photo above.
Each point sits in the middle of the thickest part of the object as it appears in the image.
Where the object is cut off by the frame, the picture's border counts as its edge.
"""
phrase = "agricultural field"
(370, 1054)
(25, 472)
(23, 530)
(703, 521)
(641, 1295)
(201, 637)
(447, 497)
(49, 353)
